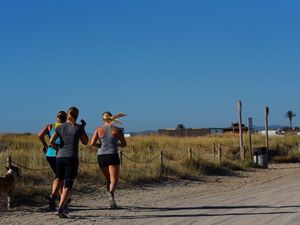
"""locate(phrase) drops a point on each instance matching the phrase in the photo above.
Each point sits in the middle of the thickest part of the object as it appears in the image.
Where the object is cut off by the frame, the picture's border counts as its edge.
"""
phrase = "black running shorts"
(52, 163)
(66, 167)
(108, 160)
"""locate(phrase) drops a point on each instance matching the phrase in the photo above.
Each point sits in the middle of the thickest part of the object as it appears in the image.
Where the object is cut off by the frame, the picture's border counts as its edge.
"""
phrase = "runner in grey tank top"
(109, 143)
(67, 157)
(110, 138)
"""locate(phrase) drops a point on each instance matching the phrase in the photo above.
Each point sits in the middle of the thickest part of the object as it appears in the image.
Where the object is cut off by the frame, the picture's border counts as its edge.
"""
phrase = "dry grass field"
(146, 159)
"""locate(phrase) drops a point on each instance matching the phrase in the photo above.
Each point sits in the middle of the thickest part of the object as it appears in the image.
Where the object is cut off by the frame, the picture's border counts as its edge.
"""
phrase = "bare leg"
(105, 172)
(64, 197)
(56, 186)
(8, 200)
(111, 174)
(114, 177)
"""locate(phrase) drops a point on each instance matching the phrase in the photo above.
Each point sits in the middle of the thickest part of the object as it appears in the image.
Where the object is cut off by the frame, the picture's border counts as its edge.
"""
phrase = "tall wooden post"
(267, 127)
(242, 150)
(250, 126)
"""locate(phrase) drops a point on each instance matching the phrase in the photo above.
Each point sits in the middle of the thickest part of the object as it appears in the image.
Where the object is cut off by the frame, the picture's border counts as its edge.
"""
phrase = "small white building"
(127, 135)
(272, 132)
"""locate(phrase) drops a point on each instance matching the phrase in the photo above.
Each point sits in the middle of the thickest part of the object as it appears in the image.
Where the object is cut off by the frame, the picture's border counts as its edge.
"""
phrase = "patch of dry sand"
(173, 202)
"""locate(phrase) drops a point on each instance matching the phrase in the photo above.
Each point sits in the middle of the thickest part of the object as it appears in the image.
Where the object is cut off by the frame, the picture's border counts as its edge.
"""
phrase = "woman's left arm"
(121, 138)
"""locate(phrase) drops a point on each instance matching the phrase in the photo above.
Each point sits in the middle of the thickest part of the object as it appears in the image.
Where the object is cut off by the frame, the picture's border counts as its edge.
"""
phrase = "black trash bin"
(260, 157)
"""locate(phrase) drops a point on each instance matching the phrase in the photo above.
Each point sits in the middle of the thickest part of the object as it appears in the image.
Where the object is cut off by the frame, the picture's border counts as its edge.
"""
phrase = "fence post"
(190, 153)
(161, 162)
(121, 157)
(220, 153)
(8, 161)
(150, 148)
(214, 149)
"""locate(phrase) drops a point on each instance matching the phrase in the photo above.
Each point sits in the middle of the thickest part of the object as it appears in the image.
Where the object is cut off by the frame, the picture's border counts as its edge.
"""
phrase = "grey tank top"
(70, 136)
(108, 142)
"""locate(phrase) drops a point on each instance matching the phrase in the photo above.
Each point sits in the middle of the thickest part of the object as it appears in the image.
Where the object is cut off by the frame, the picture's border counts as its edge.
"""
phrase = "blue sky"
(162, 62)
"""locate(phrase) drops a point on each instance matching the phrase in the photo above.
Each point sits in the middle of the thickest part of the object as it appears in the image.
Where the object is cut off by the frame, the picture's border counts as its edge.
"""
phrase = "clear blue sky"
(162, 62)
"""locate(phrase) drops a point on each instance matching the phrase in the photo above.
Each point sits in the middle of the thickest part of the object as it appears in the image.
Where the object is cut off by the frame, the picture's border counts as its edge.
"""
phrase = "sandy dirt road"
(269, 196)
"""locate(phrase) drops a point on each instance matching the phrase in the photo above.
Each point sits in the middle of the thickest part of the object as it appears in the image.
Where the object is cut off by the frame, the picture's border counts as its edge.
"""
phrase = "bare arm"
(84, 138)
(42, 135)
(121, 138)
(94, 139)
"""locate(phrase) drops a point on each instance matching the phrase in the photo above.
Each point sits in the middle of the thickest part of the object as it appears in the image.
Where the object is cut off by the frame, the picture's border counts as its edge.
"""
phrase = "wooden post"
(150, 148)
(8, 161)
(250, 147)
(214, 149)
(242, 152)
(121, 157)
(267, 127)
(220, 153)
(190, 153)
(161, 162)
(250, 139)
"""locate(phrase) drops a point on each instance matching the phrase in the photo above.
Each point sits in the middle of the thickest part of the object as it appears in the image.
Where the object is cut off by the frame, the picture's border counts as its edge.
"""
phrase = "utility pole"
(242, 150)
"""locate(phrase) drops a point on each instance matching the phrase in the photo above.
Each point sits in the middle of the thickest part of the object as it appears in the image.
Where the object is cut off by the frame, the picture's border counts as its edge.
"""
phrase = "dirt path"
(257, 197)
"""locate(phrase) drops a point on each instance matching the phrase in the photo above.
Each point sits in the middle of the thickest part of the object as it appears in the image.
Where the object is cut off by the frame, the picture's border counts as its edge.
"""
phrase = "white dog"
(7, 183)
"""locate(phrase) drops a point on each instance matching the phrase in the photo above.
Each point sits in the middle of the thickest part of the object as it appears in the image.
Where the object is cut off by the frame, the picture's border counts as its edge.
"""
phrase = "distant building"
(127, 135)
(294, 130)
(189, 132)
(235, 128)
(272, 132)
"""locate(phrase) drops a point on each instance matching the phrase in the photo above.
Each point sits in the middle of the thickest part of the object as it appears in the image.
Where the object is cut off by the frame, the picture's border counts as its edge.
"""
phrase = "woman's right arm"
(41, 136)
(94, 139)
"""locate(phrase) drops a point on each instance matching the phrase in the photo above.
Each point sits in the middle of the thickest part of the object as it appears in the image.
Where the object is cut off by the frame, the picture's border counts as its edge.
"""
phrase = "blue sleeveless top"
(109, 143)
(51, 152)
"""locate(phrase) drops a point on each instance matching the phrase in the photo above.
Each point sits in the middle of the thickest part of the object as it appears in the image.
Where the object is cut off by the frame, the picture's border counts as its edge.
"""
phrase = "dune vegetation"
(146, 159)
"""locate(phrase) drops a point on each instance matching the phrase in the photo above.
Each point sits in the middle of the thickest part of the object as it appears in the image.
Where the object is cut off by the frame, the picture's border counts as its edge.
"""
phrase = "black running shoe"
(61, 213)
(51, 200)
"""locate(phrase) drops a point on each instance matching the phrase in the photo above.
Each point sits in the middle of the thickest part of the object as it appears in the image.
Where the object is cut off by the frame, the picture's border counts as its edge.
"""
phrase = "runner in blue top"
(50, 152)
